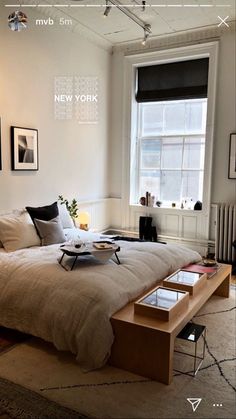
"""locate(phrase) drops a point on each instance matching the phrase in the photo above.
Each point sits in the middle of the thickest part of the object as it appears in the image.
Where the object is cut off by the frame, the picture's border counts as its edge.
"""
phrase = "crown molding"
(172, 40)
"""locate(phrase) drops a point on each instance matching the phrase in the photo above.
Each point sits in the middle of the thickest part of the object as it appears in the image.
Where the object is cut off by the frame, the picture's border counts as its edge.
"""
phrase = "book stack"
(202, 268)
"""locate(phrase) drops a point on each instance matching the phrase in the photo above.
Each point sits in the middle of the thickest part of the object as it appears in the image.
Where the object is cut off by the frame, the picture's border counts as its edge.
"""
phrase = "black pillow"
(45, 213)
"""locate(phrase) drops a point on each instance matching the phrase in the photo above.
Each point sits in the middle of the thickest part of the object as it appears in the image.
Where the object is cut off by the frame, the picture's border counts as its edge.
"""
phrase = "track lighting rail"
(130, 15)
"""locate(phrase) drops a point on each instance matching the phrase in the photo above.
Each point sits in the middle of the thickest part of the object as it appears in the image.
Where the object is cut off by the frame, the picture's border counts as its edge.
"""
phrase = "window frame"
(131, 62)
(161, 137)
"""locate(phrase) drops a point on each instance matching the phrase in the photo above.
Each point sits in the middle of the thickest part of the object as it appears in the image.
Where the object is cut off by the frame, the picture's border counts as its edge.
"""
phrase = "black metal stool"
(192, 333)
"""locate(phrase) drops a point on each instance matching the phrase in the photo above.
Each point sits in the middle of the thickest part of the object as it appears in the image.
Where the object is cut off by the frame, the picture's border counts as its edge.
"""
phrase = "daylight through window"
(170, 150)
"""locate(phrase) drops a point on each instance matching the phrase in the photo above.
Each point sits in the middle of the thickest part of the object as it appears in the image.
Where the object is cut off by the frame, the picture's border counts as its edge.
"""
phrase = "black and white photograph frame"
(24, 148)
(0, 147)
(232, 156)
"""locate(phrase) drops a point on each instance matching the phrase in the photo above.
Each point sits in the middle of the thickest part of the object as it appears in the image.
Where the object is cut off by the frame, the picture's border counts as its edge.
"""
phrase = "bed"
(73, 309)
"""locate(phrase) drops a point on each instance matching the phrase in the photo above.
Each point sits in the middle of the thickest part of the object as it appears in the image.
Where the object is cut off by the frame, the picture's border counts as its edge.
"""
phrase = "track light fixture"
(107, 9)
(146, 27)
(147, 31)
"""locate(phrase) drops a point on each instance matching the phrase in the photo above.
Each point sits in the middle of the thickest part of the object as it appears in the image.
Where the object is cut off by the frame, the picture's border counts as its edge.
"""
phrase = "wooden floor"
(233, 279)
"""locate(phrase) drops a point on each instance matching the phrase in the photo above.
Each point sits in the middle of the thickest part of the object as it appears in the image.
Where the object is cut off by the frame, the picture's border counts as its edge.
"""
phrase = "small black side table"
(192, 333)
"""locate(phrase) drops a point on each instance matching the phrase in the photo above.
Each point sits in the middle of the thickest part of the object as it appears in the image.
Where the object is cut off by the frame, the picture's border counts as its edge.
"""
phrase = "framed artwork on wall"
(0, 148)
(24, 148)
(232, 156)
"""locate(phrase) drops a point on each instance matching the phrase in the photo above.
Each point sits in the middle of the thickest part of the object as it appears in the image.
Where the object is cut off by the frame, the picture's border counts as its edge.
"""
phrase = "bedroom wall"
(223, 189)
(73, 158)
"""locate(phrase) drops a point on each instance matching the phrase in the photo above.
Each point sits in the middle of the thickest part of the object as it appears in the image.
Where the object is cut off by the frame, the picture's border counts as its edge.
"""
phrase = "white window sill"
(164, 209)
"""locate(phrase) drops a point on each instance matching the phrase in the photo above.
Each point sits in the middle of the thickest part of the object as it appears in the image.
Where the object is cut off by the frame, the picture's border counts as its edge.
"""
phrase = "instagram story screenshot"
(117, 209)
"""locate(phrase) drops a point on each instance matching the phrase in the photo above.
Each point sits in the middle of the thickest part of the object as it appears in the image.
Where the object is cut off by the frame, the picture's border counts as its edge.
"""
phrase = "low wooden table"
(145, 345)
(88, 250)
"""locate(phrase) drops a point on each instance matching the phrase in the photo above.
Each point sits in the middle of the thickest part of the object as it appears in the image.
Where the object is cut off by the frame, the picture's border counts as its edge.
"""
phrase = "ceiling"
(165, 17)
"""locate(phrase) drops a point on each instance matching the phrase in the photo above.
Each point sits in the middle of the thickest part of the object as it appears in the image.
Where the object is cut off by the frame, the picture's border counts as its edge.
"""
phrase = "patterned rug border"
(22, 403)
(214, 363)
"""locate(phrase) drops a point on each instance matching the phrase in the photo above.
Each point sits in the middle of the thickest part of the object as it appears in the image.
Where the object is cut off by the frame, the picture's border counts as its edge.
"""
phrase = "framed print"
(24, 148)
(0, 148)
(232, 156)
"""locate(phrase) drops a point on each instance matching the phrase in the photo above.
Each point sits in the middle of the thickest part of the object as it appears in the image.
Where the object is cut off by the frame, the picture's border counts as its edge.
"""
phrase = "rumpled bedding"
(73, 309)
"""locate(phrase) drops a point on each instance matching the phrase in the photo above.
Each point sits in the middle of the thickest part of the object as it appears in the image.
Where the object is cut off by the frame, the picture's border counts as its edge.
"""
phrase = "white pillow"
(10, 212)
(65, 217)
(78, 234)
(18, 232)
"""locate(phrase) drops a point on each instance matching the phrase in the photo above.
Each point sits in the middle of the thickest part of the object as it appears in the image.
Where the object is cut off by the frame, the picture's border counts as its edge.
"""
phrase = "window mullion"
(182, 168)
(160, 170)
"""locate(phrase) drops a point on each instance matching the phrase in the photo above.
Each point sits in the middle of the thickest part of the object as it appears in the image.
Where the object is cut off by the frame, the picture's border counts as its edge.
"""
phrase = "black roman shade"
(173, 81)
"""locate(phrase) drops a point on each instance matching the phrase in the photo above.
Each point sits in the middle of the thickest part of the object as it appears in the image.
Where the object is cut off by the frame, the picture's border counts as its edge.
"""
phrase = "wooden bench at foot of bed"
(145, 345)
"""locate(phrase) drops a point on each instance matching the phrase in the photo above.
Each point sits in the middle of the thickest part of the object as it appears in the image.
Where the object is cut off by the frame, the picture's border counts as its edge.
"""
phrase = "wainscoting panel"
(170, 226)
(99, 213)
(189, 227)
(186, 227)
(115, 210)
(194, 229)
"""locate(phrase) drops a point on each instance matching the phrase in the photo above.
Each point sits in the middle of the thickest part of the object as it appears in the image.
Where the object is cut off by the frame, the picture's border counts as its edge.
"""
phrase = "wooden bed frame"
(145, 345)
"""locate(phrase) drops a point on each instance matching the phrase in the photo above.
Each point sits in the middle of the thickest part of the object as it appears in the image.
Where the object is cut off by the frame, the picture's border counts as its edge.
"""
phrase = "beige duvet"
(72, 309)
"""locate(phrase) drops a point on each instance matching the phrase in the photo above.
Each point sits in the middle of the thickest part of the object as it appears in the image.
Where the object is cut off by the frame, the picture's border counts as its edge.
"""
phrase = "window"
(170, 149)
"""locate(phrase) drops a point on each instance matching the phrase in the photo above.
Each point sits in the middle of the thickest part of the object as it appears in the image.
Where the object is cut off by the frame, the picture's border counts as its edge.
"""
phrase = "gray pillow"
(50, 232)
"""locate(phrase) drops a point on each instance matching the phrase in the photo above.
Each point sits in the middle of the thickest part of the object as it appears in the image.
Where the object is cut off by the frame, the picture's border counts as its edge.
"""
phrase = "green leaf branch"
(72, 206)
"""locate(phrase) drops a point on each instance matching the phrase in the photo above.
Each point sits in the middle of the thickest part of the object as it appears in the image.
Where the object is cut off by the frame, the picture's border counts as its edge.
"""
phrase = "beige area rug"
(114, 393)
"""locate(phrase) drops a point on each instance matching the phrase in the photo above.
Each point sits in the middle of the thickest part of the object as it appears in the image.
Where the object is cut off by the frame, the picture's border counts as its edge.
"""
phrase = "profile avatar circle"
(17, 21)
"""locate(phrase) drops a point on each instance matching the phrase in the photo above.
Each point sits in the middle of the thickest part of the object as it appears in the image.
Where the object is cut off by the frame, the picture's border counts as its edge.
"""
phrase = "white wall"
(73, 158)
(86, 161)
(223, 189)
(117, 103)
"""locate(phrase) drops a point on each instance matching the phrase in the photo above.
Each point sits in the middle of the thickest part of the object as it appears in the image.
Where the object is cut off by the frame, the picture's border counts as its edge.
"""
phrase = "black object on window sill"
(198, 206)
